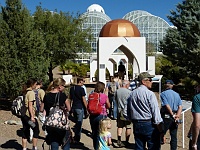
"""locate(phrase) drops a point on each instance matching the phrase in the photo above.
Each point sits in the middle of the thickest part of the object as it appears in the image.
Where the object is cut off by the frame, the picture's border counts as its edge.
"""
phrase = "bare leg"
(24, 143)
(119, 134)
(119, 131)
(128, 133)
(35, 142)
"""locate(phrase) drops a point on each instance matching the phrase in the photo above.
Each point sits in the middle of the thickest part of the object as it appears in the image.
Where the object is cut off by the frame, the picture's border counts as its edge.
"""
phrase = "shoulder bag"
(57, 117)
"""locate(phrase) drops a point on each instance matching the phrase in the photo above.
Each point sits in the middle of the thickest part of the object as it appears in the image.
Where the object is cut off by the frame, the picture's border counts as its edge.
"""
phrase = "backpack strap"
(56, 103)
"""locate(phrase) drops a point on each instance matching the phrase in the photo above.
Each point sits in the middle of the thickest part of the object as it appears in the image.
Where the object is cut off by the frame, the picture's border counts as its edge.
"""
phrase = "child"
(104, 135)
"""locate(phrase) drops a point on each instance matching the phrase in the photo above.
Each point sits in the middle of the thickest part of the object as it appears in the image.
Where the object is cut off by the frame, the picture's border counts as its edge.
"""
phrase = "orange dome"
(119, 28)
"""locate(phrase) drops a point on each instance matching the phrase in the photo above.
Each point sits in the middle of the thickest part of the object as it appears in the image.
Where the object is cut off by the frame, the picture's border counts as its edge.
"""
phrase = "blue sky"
(115, 9)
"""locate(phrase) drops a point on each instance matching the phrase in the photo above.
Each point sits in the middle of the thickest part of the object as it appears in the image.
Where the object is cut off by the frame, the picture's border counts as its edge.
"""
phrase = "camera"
(32, 124)
(179, 121)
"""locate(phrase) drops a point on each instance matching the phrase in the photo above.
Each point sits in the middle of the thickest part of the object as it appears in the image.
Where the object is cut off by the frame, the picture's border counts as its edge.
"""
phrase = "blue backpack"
(37, 100)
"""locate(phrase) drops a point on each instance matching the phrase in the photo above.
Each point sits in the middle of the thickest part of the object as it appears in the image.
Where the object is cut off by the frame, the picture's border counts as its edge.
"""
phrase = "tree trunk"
(50, 73)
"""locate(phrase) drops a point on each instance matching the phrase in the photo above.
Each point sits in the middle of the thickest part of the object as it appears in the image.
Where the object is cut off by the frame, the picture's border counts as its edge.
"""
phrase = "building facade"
(150, 26)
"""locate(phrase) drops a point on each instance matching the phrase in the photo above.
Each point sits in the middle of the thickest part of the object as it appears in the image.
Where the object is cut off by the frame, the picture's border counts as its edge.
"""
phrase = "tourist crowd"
(136, 109)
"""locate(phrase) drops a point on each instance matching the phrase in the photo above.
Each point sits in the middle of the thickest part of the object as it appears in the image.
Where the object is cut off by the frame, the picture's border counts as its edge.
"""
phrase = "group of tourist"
(46, 101)
(137, 109)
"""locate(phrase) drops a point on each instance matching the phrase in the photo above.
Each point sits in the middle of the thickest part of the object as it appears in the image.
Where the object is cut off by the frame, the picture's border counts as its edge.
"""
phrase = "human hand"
(86, 114)
(194, 147)
(33, 119)
(176, 117)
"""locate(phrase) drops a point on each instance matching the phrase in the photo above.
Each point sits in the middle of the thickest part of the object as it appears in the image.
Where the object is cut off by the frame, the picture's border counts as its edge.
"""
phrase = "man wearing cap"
(171, 110)
(143, 111)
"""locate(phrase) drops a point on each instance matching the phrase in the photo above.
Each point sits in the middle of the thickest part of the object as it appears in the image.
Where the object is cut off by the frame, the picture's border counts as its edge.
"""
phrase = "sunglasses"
(148, 79)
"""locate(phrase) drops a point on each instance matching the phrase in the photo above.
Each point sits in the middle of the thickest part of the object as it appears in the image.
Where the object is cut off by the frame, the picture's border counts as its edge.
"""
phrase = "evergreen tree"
(182, 43)
(63, 35)
(22, 48)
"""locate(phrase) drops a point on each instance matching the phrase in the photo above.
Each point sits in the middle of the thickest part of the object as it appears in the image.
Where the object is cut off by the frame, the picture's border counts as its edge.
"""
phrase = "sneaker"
(120, 144)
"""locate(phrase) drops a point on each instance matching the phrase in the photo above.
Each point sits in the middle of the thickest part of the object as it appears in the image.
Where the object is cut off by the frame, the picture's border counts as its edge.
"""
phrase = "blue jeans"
(146, 133)
(55, 146)
(114, 111)
(94, 123)
(63, 139)
(170, 125)
(78, 116)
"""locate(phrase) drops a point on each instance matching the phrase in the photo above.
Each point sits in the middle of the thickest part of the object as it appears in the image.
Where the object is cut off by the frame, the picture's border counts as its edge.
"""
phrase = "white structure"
(113, 59)
(96, 8)
(152, 27)
(123, 35)
(68, 79)
(95, 18)
(133, 48)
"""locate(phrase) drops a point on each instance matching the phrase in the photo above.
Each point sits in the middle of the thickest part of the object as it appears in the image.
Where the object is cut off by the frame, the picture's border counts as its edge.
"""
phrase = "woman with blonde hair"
(94, 119)
(54, 94)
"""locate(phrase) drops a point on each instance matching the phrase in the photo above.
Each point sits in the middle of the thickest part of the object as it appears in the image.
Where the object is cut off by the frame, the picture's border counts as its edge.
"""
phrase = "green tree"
(75, 68)
(67, 66)
(169, 70)
(182, 43)
(21, 47)
(63, 35)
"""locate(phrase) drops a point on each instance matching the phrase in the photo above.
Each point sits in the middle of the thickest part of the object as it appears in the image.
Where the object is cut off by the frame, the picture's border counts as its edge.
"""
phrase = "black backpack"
(18, 107)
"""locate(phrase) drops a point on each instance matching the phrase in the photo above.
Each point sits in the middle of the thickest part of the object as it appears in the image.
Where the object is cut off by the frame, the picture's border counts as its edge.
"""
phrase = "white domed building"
(95, 18)
(150, 26)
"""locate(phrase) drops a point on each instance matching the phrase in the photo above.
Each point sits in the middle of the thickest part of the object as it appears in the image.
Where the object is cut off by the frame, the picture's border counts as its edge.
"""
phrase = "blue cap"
(169, 82)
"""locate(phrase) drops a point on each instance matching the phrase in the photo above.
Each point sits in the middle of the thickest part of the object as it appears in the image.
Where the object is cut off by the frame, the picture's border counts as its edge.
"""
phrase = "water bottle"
(31, 123)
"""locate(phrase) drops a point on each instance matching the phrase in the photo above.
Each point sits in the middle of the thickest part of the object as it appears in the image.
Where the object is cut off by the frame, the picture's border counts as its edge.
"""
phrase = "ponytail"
(55, 83)
(50, 87)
